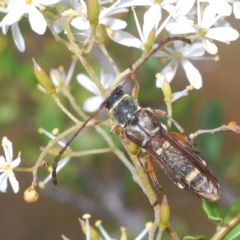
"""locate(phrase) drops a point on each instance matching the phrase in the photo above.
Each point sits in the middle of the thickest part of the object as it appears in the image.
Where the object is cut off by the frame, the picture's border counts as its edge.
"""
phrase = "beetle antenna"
(54, 171)
(133, 71)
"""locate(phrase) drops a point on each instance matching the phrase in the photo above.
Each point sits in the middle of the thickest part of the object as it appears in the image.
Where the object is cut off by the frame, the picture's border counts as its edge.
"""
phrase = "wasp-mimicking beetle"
(144, 127)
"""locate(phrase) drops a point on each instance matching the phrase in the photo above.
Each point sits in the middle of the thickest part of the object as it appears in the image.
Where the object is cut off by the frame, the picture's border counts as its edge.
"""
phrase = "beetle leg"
(184, 139)
(136, 88)
(164, 114)
(152, 173)
(153, 176)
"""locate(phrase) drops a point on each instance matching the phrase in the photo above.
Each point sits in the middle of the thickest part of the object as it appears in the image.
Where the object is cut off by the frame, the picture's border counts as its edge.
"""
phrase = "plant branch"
(223, 230)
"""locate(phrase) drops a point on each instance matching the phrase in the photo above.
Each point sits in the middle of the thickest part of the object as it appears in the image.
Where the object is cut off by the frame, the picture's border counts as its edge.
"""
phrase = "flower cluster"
(201, 21)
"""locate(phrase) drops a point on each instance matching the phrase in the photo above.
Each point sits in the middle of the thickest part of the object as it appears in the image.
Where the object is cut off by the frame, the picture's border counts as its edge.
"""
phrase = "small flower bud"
(43, 79)
(31, 195)
(93, 10)
(167, 92)
(44, 164)
(150, 40)
(164, 213)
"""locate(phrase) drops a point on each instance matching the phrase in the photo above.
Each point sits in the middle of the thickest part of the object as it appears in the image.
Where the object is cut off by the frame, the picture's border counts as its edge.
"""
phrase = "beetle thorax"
(123, 109)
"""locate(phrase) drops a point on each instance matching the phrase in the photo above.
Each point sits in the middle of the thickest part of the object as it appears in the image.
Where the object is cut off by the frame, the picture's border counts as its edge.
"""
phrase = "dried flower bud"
(43, 79)
(31, 195)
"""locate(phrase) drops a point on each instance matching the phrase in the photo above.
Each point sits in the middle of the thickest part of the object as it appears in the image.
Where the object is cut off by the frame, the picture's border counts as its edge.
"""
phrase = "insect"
(144, 127)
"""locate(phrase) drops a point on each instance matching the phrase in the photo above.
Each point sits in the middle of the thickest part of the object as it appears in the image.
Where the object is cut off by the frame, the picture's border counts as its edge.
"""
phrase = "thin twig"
(223, 230)
(60, 105)
(223, 128)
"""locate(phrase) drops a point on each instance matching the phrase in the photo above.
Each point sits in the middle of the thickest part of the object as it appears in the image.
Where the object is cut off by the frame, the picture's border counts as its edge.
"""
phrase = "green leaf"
(234, 210)
(213, 212)
(194, 238)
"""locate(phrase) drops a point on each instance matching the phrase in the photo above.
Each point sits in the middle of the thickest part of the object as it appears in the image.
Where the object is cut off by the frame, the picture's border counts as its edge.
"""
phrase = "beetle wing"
(183, 166)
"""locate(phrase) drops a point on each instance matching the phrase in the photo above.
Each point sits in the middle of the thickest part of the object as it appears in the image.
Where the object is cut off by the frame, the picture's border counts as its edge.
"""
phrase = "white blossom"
(18, 8)
(180, 55)
(7, 164)
(82, 22)
(205, 29)
(93, 103)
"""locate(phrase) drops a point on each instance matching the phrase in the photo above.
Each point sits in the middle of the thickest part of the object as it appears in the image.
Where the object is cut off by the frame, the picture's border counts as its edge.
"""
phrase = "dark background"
(101, 185)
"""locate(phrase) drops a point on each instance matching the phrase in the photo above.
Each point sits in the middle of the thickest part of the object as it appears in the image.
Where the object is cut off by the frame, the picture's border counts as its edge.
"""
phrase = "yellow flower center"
(6, 167)
(29, 2)
(178, 56)
(202, 32)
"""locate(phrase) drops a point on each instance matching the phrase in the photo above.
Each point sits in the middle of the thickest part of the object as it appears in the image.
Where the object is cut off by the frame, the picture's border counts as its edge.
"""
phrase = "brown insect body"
(179, 161)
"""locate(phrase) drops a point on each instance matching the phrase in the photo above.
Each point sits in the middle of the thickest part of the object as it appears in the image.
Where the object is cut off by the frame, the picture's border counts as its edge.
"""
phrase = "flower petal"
(16, 162)
(37, 21)
(113, 23)
(127, 3)
(177, 95)
(48, 2)
(80, 23)
(209, 46)
(3, 182)
(168, 72)
(106, 78)
(17, 37)
(2, 162)
(7, 147)
(124, 38)
(193, 75)
(87, 83)
(14, 182)
(222, 34)
(221, 7)
(180, 28)
(236, 9)
(193, 50)
(92, 103)
(208, 18)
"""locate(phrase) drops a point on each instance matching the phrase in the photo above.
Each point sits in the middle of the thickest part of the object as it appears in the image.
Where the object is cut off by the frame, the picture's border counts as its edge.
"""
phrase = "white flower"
(236, 9)
(60, 78)
(205, 30)
(180, 55)
(82, 23)
(151, 21)
(7, 165)
(16, 33)
(18, 8)
(93, 103)
(222, 7)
